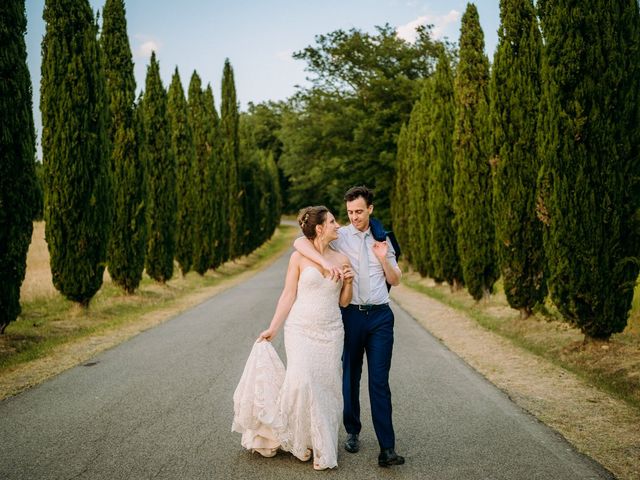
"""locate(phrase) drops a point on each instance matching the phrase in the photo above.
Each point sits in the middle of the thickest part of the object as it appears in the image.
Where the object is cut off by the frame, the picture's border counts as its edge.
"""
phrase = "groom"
(368, 322)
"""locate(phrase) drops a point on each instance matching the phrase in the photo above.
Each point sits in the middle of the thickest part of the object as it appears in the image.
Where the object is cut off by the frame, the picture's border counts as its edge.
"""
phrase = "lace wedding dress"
(299, 410)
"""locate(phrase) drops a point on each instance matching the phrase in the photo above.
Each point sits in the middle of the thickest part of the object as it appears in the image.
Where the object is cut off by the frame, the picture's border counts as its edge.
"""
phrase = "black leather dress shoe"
(352, 445)
(388, 457)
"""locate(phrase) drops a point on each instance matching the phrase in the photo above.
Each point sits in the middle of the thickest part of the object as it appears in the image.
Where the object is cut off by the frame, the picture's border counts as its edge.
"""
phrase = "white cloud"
(145, 45)
(408, 32)
(285, 56)
(440, 24)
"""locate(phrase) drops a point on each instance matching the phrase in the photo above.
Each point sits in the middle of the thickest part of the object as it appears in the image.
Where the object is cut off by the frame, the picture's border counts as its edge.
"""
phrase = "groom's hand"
(334, 272)
(380, 250)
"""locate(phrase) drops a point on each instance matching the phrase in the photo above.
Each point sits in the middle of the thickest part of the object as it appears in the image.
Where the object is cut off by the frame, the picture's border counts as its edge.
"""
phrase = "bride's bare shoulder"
(298, 260)
(295, 258)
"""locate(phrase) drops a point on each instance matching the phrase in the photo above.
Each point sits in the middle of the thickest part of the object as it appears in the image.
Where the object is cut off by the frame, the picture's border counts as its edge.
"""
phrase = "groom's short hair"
(359, 191)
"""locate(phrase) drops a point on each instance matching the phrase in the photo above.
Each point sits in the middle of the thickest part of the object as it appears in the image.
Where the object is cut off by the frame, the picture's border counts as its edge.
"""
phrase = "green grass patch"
(46, 323)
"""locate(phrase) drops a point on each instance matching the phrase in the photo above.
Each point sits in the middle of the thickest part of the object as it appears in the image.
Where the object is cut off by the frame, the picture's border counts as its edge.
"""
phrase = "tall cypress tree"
(515, 95)
(229, 125)
(417, 182)
(442, 234)
(415, 194)
(138, 128)
(253, 185)
(127, 242)
(472, 172)
(161, 178)
(75, 150)
(217, 209)
(590, 144)
(183, 148)
(399, 213)
(201, 178)
(18, 188)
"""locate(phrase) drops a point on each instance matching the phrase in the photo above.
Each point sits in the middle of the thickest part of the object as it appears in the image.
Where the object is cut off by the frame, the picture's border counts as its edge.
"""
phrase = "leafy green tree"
(18, 187)
(260, 184)
(254, 187)
(342, 131)
(273, 196)
(590, 145)
(74, 108)
(515, 96)
(203, 227)
(442, 234)
(127, 242)
(472, 173)
(265, 121)
(183, 147)
(229, 125)
(317, 136)
(161, 178)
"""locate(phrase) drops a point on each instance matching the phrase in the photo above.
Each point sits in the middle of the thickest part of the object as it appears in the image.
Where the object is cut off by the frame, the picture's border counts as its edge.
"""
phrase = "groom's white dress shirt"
(349, 242)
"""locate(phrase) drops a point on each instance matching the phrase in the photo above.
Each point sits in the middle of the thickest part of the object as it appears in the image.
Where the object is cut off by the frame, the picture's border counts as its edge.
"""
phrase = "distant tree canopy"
(342, 130)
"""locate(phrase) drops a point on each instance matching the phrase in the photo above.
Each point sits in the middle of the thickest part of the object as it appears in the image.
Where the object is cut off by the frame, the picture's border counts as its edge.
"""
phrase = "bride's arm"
(286, 300)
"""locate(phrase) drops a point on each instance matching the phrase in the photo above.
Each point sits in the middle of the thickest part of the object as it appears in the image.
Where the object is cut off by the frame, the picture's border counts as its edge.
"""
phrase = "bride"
(299, 410)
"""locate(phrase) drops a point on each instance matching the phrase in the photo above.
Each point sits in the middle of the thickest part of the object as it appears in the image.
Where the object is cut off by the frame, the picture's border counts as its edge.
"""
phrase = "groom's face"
(359, 212)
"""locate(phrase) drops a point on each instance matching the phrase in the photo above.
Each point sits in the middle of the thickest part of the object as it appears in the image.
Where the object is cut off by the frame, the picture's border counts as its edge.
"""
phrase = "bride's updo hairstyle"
(309, 218)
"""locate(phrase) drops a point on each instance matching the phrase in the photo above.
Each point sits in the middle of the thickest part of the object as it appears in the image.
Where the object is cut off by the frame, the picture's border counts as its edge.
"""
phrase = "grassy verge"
(612, 366)
(52, 321)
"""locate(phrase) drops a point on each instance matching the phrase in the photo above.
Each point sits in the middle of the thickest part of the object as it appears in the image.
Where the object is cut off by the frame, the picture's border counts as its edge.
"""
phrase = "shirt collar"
(354, 231)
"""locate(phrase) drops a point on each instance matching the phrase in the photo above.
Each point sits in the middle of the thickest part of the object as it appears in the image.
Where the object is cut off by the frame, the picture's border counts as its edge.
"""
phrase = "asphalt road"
(160, 406)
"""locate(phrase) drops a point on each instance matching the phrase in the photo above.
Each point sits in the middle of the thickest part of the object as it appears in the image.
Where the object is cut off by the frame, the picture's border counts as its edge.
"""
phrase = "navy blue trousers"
(369, 332)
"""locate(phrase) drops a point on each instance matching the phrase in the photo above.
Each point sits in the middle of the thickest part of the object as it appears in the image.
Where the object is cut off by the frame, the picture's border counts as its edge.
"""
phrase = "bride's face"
(330, 227)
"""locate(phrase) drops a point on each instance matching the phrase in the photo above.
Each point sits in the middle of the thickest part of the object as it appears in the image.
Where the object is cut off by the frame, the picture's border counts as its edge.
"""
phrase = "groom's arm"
(304, 246)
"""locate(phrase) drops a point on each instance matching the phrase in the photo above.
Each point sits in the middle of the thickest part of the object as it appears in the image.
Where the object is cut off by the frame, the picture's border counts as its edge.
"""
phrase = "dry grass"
(613, 366)
(38, 283)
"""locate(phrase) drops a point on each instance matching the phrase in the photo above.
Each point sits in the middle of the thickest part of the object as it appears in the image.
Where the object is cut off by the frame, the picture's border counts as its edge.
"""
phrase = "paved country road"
(160, 406)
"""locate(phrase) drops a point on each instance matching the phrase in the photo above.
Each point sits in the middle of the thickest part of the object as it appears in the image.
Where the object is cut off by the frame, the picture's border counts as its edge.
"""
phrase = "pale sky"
(258, 37)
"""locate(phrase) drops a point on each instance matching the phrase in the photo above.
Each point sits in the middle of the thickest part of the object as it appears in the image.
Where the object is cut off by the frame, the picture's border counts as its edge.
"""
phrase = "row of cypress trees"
(529, 171)
(128, 185)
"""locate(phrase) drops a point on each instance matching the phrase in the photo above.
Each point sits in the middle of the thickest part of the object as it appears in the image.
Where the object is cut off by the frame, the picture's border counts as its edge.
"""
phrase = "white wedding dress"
(298, 411)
